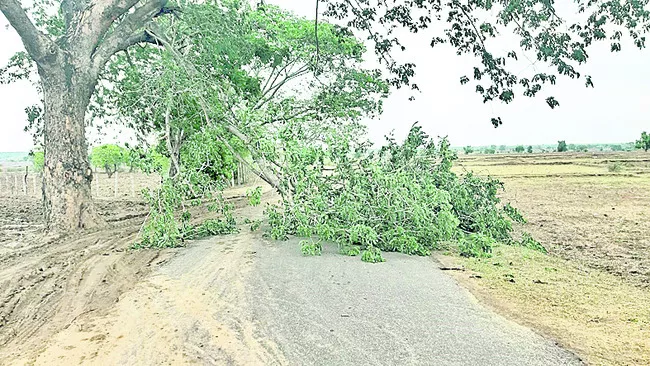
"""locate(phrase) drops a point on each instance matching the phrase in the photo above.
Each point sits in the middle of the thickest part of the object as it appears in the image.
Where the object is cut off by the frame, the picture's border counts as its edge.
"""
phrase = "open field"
(592, 291)
(578, 208)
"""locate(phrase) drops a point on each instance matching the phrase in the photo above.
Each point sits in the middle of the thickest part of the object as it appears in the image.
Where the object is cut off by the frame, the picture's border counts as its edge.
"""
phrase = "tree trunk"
(67, 175)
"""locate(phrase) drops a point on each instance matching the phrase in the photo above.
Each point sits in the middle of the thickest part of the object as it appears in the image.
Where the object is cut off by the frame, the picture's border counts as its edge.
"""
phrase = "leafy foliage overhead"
(237, 75)
(547, 33)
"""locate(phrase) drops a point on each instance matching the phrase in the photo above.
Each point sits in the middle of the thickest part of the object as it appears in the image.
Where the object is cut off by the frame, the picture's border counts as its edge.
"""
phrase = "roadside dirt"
(242, 300)
(62, 289)
(50, 283)
(190, 310)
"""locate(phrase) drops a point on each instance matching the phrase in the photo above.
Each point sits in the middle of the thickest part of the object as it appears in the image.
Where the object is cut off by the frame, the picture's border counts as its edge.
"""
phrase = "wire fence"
(121, 185)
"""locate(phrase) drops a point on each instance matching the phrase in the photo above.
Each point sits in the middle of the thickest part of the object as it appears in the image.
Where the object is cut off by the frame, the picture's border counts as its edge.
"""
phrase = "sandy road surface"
(241, 300)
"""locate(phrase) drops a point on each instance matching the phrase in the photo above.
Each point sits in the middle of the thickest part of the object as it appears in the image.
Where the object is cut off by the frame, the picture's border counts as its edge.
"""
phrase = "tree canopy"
(108, 157)
(253, 82)
(557, 35)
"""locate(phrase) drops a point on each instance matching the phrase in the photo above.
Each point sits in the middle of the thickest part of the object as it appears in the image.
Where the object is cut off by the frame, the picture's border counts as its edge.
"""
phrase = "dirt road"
(241, 300)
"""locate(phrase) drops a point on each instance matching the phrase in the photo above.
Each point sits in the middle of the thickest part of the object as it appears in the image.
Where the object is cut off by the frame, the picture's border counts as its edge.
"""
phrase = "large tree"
(69, 43)
(258, 79)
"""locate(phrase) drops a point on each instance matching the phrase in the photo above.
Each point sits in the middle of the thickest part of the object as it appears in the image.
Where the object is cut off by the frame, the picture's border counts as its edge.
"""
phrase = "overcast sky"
(616, 110)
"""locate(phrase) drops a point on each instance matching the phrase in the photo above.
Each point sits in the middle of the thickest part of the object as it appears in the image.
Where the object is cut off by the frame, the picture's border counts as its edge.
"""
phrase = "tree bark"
(67, 175)
(69, 68)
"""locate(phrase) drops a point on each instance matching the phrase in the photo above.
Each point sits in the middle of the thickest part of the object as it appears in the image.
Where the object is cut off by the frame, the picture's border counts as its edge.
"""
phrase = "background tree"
(616, 147)
(68, 42)
(643, 142)
(529, 150)
(108, 157)
(561, 146)
(468, 150)
(519, 148)
(38, 160)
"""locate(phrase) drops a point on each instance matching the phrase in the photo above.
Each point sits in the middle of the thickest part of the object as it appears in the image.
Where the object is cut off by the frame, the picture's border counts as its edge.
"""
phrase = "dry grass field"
(592, 213)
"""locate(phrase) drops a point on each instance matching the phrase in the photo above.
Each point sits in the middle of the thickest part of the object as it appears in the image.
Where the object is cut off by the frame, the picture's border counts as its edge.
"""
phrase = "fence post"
(25, 180)
(34, 184)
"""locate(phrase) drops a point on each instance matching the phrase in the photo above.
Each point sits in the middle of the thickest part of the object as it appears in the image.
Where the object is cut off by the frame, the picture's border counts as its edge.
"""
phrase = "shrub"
(311, 248)
(520, 148)
(616, 147)
(615, 167)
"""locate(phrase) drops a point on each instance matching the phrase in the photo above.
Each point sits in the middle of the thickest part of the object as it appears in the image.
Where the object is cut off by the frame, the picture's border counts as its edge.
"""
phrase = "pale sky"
(616, 110)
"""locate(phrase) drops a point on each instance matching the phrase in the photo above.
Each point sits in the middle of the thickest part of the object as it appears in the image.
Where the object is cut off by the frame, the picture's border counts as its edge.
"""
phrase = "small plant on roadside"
(528, 241)
(372, 255)
(351, 251)
(255, 224)
(254, 196)
(311, 248)
(476, 245)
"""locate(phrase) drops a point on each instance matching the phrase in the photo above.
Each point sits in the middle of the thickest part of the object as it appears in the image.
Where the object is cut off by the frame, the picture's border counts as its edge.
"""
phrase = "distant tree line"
(562, 146)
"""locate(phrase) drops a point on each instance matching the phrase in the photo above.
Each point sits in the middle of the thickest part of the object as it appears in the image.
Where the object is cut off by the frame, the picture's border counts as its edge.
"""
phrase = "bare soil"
(597, 218)
(51, 283)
